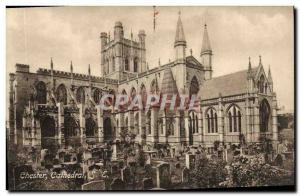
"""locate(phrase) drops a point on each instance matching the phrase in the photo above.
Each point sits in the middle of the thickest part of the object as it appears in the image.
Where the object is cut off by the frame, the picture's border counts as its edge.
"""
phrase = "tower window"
(135, 65)
(126, 64)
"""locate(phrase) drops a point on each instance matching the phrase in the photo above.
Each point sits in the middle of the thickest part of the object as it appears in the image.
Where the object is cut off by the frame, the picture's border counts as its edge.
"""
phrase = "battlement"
(76, 76)
(22, 68)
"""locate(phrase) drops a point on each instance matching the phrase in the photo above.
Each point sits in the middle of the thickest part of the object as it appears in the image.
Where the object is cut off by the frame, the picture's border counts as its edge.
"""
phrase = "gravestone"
(163, 175)
(189, 160)
(126, 175)
(117, 184)
(185, 175)
(94, 185)
(147, 183)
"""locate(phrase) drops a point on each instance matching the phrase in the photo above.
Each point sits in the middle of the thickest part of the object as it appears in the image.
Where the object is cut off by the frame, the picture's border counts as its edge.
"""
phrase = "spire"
(206, 48)
(89, 71)
(51, 64)
(260, 60)
(179, 38)
(71, 67)
(249, 66)
(270, 76)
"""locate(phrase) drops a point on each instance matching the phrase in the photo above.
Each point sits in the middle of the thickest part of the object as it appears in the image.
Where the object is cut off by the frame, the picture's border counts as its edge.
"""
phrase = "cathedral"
(52, 107)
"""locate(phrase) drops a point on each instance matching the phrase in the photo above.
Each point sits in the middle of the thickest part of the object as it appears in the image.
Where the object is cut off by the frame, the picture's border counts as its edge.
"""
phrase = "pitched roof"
(168, 85)
(230, 84)
(205, 42)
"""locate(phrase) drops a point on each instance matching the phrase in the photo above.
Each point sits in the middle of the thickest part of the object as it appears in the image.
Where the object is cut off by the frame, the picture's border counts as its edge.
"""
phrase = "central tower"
(121, 57)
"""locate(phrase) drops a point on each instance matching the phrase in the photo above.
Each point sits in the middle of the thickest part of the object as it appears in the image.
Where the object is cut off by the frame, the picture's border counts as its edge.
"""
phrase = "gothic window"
(181, 125)
(41, 94)
(113, 64)
(48, 127)
(136, 123)
(266, 88)
(234, 119)
(71, 127)
(153, 87)
(61, 94)
(80, 95)
(193, 123)
(97, 96)
(212, 121)
(194, 86)
(135, 64)
(261, 84)
(170, 125)
(90, 127)
(126, 64)
(264, 115)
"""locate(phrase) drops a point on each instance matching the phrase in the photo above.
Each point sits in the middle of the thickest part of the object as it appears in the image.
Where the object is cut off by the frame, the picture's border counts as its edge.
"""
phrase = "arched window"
(126, 64)
(136, 124)
(194, 86)
(181, 125)
(264, 115)
(197, 127)
(234, 119)
(135, 64)
(113, 64)
(153, 88)
(90, 127)
(41, 93)
(80, 95)
(170, 125)
(61, 94)
(261, 84)
(212, 121)
(97, 95)
(71, 127)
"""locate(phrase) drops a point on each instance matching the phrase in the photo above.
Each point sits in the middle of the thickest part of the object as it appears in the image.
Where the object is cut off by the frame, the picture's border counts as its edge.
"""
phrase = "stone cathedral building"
(56, 107)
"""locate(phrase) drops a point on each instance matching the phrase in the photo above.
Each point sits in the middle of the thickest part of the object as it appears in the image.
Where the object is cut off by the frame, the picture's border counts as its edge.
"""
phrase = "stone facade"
(56, 107)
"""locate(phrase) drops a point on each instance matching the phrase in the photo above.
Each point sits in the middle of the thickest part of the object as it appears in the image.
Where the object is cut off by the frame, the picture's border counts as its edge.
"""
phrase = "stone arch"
(61, 94)
(80, 95)
(264, 115)
(41, 92)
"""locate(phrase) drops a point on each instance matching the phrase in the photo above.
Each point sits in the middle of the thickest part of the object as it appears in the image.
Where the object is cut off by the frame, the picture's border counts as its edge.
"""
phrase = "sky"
(34, 35)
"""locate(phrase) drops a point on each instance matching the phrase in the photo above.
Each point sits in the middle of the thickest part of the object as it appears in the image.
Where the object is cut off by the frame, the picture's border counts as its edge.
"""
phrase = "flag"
(155, 13)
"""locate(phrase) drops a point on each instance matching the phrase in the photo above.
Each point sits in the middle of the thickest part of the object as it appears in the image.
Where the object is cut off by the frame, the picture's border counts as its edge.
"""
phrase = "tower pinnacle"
(179, 38)
(206, 48)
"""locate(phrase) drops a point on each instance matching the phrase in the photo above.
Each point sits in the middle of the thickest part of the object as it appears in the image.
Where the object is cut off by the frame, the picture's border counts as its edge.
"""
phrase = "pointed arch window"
(136, 124)
(135, 64)
(211, 121)
(41, 93)
(234, 119)
(80, 95)
(264, 115)
(61, 94)
(126, 64)
(113, 64)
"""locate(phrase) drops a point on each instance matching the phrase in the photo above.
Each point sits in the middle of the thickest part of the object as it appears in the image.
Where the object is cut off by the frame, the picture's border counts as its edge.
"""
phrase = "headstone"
(117, 184)
(163, 175)
(114, 153)
(185, 175)
(126, 175)
(94, 185)
(147, 183)
(189, 160)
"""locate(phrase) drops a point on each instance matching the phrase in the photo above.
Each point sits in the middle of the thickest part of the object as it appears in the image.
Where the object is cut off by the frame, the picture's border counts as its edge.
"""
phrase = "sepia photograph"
(150, 98)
